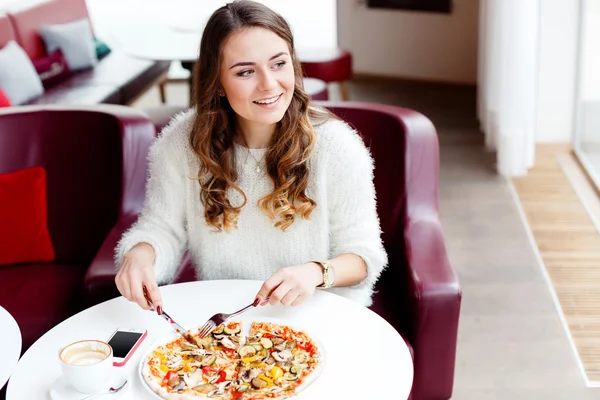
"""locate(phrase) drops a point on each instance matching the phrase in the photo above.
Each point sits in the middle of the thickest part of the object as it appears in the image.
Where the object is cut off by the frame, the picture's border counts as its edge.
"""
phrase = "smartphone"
(124, 343)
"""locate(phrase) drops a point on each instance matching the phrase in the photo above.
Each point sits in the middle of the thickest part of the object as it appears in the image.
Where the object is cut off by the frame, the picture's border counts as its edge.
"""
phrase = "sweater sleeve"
(354, 224)
(162, 221)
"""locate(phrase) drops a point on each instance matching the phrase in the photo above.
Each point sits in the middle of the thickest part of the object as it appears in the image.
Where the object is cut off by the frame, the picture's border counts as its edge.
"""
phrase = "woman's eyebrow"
(246, 63)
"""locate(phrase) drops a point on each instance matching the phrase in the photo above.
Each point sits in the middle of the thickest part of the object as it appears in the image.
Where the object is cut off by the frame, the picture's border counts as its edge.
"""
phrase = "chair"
(95, 162)
(419, 292)
(328, 65)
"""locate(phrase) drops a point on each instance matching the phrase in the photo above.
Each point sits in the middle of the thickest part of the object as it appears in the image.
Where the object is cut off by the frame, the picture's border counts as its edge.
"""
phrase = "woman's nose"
(267, 82)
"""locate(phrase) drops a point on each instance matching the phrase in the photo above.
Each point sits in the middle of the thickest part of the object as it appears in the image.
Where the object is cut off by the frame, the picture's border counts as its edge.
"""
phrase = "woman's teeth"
(267, 101)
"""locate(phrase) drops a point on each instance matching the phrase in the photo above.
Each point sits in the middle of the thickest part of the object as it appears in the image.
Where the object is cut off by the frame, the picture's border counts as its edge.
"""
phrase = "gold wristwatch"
(328, 274)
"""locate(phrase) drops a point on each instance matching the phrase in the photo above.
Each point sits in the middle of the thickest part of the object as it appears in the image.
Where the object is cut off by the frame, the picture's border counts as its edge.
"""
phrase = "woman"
(254, 182)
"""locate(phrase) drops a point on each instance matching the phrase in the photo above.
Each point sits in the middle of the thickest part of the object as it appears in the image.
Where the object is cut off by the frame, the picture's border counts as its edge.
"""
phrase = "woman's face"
(257, 76)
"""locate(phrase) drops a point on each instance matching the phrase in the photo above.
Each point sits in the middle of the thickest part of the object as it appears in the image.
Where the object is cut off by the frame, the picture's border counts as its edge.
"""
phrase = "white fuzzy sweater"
(344, 221)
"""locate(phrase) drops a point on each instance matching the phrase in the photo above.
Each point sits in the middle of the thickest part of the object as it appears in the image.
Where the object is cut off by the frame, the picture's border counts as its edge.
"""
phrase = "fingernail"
(256, 301)
(159, 310)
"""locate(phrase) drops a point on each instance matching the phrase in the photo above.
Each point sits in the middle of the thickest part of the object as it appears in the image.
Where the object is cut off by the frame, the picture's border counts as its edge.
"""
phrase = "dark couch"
(95, 162)
(117, 79)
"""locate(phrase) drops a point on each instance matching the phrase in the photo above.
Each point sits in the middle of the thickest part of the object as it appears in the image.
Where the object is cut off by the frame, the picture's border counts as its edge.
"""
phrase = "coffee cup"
(87, 365)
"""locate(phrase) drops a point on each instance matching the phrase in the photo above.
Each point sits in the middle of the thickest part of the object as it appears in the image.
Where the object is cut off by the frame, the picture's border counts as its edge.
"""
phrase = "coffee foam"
(85, 353)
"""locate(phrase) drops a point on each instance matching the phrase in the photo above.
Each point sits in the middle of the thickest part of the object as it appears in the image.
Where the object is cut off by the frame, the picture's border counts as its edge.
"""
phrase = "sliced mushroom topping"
(228, 343)
(280, 347)
(282, 356)
(206, 388)
(174, 380)
(291, 345)
(174, 362)
(180, 386)
(192, 379)
(244, 375)
(188, 346)
(277, 341)
(205, 342)
(254, 372)
(219, 337)
(259, 383)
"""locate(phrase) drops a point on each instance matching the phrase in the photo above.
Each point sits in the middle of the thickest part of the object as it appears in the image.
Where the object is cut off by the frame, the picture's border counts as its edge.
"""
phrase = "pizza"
(272, 362)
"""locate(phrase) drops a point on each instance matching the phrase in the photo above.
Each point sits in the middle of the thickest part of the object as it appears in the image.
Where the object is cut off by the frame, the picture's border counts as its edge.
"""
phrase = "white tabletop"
(365, 358)
(10, 345)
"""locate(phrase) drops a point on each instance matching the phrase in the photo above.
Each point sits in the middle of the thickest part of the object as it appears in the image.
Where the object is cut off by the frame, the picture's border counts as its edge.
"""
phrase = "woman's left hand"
(292, 285)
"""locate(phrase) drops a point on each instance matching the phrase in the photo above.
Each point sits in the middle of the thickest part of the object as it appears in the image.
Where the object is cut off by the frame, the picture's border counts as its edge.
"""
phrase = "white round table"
(365, 358)
(10, 345)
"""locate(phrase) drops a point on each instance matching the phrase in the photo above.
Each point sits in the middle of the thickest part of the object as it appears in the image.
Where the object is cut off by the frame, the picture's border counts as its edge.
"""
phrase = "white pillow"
(18, 77)
(76, 41)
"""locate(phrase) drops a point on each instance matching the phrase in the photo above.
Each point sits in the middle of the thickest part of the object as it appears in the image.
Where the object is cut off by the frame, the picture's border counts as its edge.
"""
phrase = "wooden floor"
(569, 244)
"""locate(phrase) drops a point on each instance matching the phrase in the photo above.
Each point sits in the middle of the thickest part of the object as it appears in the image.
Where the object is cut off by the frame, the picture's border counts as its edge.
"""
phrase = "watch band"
(325, 265)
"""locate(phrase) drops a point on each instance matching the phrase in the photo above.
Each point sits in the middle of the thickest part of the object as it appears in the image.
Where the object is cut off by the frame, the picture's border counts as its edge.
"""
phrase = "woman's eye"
(279, 64)
(246, 72)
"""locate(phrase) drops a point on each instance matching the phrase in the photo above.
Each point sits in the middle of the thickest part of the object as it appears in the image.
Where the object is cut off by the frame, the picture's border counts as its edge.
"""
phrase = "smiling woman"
(254, 181)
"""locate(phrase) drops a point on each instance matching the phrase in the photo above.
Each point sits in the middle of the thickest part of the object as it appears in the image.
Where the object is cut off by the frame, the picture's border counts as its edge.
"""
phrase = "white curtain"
(507, 72)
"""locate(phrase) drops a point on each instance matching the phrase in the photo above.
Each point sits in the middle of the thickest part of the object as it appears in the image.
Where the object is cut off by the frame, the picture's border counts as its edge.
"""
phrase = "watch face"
(330, 275)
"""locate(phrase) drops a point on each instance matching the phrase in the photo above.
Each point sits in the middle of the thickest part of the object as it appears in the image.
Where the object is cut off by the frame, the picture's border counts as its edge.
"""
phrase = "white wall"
(408, 44)
(557, 70)
(145, 24)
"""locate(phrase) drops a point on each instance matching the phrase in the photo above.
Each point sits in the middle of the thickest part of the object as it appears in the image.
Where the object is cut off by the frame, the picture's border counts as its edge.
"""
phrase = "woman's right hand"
(136, 273)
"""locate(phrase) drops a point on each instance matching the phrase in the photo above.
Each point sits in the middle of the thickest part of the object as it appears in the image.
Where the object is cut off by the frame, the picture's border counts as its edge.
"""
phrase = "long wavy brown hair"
(214, 128)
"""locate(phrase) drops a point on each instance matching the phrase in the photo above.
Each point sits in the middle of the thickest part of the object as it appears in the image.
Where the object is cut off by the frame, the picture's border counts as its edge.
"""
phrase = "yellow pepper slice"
(266, 379)
(276, 372)
(250, 359)
(164, 368)
(186, 367)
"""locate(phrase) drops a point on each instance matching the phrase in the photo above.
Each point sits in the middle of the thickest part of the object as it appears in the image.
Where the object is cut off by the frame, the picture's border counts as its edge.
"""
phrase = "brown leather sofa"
(95, 162)
(117, 79)
(419, 293)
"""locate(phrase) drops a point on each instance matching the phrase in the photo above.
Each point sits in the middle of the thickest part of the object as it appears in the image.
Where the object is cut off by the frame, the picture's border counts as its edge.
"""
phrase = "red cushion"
(24, 235)
(4, 100)
(52, 68)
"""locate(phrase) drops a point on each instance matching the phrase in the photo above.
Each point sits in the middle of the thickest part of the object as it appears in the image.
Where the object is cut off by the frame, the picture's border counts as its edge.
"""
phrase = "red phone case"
(133, 349)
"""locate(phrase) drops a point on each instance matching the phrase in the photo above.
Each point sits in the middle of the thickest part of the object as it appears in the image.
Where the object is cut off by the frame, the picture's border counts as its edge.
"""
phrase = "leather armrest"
(434, 299)
(99, 281)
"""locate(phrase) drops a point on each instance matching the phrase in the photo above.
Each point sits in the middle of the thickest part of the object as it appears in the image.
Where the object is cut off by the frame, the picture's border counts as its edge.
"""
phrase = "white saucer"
(61, 390)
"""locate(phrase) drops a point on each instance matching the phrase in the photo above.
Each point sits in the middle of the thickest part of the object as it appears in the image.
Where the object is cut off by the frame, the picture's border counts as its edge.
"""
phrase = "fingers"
(154, 294)
(269, 285)
(280, 292)
(131, 279)
(290, 297)
(137, 293)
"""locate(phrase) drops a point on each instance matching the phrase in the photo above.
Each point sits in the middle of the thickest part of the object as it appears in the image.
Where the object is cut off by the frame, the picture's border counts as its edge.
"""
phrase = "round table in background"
(10, 345)
(364, 356)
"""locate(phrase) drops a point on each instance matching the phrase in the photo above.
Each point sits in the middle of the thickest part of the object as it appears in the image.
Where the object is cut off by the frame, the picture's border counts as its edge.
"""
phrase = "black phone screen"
(122, 342)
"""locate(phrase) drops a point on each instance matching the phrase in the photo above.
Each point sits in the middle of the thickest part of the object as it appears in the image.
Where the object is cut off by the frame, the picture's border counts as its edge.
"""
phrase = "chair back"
(89, 181)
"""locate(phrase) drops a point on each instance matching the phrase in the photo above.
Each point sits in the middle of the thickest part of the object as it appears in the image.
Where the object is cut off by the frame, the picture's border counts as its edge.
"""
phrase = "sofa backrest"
(6, 30)
(27, 16)
(91, 159)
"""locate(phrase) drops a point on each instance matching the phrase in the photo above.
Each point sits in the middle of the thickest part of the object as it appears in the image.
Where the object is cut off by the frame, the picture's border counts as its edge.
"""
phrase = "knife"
(178, 328)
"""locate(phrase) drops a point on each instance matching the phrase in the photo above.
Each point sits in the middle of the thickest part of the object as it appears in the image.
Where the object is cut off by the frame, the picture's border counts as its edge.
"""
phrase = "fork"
(221, 318)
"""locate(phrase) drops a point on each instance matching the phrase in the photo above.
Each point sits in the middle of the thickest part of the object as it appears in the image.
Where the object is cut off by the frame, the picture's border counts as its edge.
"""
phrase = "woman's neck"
(254, 136)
